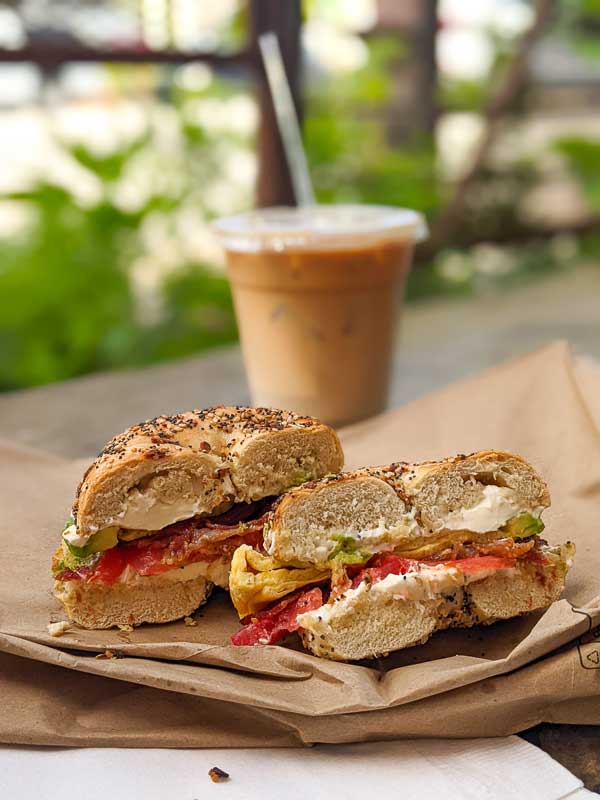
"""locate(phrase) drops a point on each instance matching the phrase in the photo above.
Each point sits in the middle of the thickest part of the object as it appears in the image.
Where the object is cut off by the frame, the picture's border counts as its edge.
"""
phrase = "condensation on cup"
(317, 294)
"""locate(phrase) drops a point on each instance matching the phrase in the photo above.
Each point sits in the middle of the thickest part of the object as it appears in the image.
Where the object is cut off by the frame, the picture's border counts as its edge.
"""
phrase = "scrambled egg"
(256, 581)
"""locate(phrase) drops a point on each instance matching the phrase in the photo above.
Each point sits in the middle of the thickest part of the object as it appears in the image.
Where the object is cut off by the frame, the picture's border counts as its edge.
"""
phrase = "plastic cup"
(317, 293)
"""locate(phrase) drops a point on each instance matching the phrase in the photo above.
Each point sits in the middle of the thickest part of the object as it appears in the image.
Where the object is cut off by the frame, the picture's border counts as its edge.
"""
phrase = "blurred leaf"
(67, 300)
(589, 7)
(107, 167)
(197, 309)
(462, 95)
(583, 157)
(344, 136)
(579, 25)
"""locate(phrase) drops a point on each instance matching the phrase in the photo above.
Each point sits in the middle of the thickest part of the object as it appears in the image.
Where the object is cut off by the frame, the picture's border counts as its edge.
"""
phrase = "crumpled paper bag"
(482, 682)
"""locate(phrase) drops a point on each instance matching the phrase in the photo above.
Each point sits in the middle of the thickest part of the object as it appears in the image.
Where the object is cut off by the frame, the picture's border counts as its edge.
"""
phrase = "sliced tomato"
(148, 561)
(386, 564)
(274, 623)
(110, 566)
(383, 565)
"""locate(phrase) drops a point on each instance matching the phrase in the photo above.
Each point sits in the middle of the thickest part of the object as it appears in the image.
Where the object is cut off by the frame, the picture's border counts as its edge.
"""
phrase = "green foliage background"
(67, 305)
(67, 299)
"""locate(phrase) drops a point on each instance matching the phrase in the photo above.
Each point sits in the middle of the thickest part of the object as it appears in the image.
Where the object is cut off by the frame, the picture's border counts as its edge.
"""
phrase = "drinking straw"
(287, 119)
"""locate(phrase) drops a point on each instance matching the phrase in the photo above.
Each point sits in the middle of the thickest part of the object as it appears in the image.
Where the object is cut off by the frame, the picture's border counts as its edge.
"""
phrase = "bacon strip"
(503, 548)
(271, 625)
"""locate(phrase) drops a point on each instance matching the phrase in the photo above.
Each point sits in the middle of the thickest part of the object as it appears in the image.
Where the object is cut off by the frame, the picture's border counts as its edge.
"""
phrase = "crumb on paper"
(217, 775)
(127, 628)
(58, 628)
(111, 654)
(106, 654)
(190, 622)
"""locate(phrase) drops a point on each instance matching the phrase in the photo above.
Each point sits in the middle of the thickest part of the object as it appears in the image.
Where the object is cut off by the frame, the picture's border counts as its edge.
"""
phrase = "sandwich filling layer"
(404, 580)
(258, 579)
(116, 554)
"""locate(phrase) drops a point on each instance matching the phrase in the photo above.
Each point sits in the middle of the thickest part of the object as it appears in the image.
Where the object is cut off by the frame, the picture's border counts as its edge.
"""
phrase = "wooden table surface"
(441, 342)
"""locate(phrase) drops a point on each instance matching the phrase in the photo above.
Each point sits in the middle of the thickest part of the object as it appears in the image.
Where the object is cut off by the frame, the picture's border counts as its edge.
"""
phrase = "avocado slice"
(299, 477)
(69, 561)
(523, 526)
(131, 534)
(346, 552)
(103, 540)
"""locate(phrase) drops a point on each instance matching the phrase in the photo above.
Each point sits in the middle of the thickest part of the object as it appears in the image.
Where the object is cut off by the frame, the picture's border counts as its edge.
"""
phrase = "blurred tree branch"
(524, 233)
(502, 100)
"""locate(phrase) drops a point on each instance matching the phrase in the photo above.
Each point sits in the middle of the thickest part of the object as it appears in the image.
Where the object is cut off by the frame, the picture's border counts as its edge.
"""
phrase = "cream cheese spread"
(73, 538)
(425, 584)
(214, 571)
(149, 513)
(492, 512)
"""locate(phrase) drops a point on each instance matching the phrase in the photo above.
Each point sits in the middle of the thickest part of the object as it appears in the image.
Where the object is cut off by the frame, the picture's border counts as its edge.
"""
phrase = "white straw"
(287, 119)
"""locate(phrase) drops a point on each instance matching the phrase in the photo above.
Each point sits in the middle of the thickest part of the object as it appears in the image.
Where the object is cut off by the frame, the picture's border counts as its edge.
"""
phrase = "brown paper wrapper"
(186, 686)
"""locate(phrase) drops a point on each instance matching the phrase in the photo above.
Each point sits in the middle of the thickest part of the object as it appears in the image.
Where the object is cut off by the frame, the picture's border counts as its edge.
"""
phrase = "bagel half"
(159, 513)
(370, 561)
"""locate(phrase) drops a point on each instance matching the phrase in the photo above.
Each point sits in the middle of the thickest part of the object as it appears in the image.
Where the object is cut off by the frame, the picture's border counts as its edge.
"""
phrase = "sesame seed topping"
(157, 438)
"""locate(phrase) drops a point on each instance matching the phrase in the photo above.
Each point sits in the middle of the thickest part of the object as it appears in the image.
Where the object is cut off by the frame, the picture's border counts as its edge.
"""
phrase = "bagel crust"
(212, 458)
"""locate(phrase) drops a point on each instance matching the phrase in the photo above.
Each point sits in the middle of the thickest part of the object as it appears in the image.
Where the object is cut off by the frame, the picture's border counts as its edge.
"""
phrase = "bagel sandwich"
(159, 513)
(367, 562)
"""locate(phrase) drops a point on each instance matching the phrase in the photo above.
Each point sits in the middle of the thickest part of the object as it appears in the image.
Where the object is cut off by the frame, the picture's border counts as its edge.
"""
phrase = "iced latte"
(317, 293)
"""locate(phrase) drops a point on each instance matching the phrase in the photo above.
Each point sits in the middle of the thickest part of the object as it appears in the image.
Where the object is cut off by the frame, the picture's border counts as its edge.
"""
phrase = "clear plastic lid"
(326, 226)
